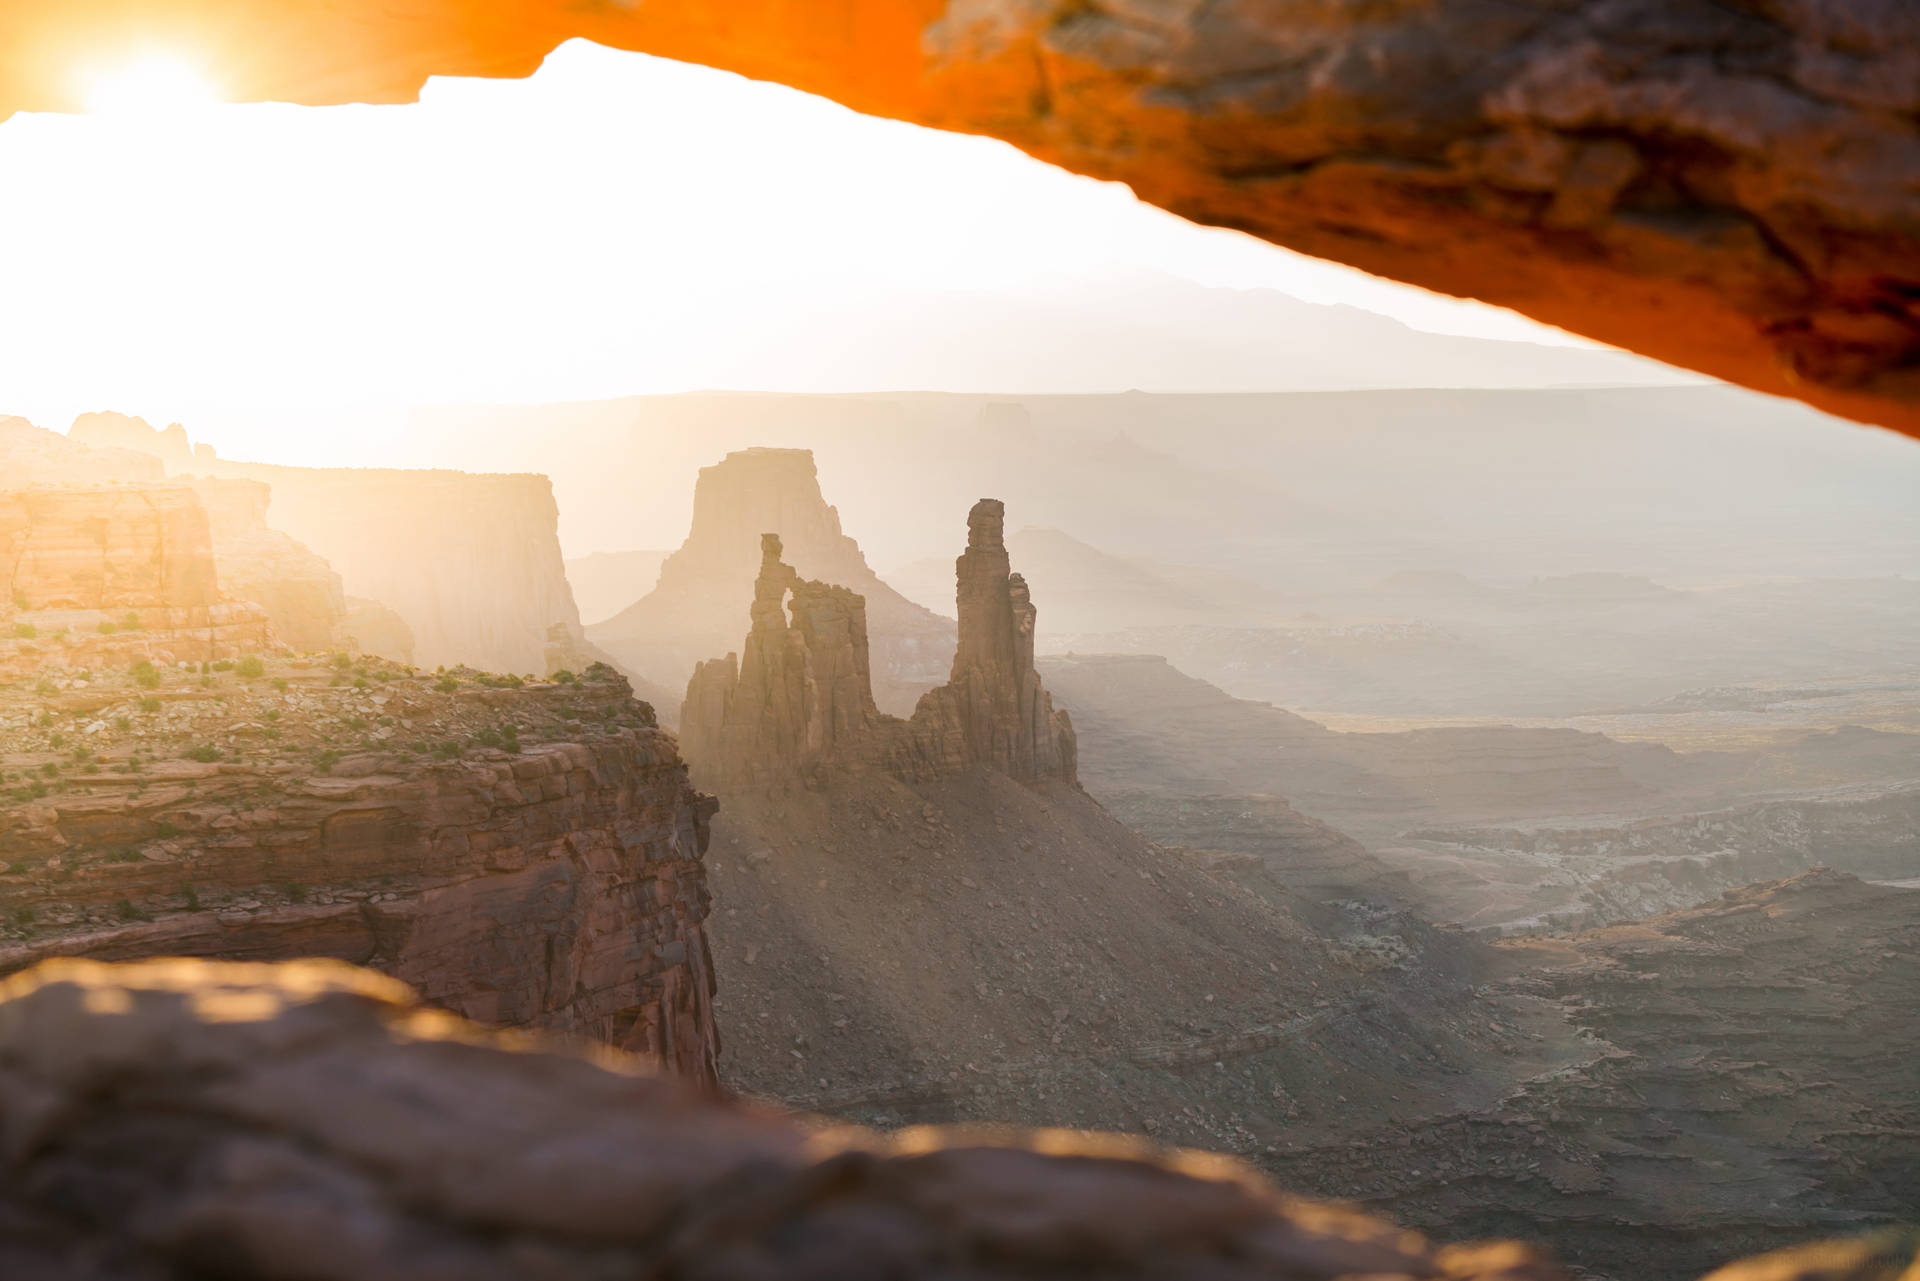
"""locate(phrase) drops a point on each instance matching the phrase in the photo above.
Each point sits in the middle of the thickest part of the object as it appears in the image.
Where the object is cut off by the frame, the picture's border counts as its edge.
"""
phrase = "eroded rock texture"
(1726, 186)
(101, 572)
(527, 857)
(694, 610)
(183, 1119)
(798, 702)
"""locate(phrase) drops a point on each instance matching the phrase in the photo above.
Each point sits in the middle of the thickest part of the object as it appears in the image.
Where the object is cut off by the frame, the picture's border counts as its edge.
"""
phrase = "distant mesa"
(695, 610)
(796, 702)
(468, 565)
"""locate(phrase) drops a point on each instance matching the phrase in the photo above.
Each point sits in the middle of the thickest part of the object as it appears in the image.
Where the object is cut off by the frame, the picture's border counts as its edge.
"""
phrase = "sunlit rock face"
(311, 1119)
(299, 590)
(470, 563)
(695, 611)
(109, 548)
(797, 701)
(1724, 187)
(528, 857)
(994, 699)
(110, 574)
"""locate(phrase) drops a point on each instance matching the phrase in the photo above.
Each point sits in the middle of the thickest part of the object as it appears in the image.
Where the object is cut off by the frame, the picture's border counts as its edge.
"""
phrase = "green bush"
(446, 684)
(130, 622)
(342, 661)
(280, 682)
(146, 675)
(193, 899)
(327, 760)
(23, 916)
(220, 665)
(149, 704)
(106, 628)
(251, 667)
(25, 631)
(205, 754)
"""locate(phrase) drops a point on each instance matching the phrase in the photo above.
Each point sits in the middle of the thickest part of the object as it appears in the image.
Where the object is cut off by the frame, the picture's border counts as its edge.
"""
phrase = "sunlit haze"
(616, 224)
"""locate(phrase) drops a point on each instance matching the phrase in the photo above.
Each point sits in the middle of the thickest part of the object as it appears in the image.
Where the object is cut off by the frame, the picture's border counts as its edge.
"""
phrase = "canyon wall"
(797, 702)
(694, 611)
(525, 856)
(114, 573)
(300, 591)
(470, 563)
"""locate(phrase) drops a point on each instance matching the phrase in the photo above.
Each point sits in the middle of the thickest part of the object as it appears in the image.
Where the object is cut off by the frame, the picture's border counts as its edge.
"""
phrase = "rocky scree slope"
(1750, 1079)
(525, 855)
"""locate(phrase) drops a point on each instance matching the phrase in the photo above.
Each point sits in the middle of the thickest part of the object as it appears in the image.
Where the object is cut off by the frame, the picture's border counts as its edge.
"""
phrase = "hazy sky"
(617, 224)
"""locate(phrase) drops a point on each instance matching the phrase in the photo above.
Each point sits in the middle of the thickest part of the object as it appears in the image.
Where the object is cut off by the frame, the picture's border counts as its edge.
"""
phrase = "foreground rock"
(182, 1119)
(528, 856)
(1725, 187)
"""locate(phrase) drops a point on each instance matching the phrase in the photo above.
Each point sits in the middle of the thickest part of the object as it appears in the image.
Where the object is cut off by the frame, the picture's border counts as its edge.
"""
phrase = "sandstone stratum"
(185, 1119)
(467, 566)
(527, 855)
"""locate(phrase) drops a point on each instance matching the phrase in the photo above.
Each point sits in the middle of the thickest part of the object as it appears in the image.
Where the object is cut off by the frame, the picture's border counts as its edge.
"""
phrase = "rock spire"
(797, 699)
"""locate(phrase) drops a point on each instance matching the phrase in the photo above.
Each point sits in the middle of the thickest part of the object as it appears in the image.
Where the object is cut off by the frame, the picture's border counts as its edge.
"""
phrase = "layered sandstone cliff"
(103, 572)
(694, 611)
(528, 856)
(797, 702)
(470, 563)
(300, 591)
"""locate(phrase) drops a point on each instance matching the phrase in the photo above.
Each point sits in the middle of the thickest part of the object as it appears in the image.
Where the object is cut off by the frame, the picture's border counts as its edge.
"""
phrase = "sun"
(152, 85)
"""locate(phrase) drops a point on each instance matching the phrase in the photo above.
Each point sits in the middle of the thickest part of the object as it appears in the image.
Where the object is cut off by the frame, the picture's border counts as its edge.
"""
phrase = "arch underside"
(1727, 185)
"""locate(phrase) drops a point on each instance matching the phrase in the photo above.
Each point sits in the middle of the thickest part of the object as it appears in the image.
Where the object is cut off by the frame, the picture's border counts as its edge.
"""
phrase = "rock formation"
(182, 1118)
(798, 700)
(471, 563)
(694, 610)
(106, 571)
(299, 590)
(31, 455)
(525, 856)
(994, 697)
(1724, 187)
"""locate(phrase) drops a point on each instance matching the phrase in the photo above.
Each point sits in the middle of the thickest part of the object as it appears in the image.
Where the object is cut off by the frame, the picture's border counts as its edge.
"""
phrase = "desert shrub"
(123, 723)
(354, 722)
(130, 622)
(146, 675)
(124, 856)
(51, 769)
(295, 891)
(205, 754)
(326, 760)
(566, 677)
(280, 682)
(126, 911)
(45, 686)
(271, 714)
(149, 704)
(251, 667)
(446, 684)
(342, 661)
(23, 916)
(448, 750)
(106, 628)
(164, 829)
(25, 631)
(193, 899)
(222, 665)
